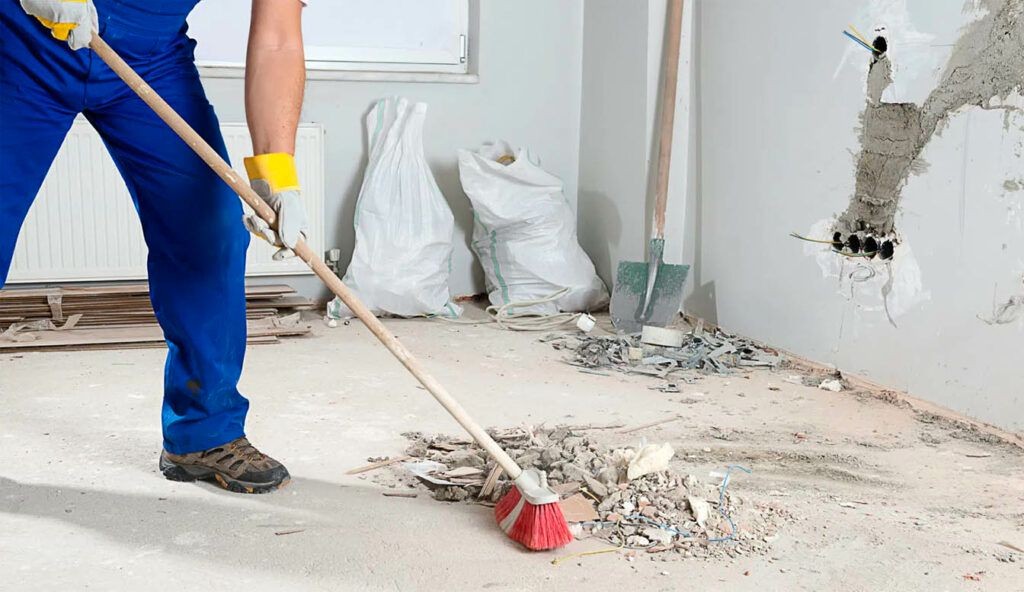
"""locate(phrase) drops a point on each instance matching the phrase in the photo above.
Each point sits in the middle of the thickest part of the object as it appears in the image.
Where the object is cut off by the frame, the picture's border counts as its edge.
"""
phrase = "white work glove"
(274, 179)
(68, 20)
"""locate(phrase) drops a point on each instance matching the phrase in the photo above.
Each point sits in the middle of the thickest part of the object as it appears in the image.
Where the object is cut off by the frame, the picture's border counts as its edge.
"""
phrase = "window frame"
(378, 63)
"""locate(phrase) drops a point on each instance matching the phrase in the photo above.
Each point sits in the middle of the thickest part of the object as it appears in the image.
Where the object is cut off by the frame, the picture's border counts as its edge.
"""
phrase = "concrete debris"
(427, 470)
(831, 385)
(709, 352)
(701, 510)
(464, 471)
(658, 535)
(577, 508)
(624, 496)
(596, 487)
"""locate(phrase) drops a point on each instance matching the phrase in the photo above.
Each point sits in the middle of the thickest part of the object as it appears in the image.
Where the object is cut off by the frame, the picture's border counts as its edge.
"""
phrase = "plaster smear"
(893, 287)
(984, 69)
(1008, 311)
(1012, 198)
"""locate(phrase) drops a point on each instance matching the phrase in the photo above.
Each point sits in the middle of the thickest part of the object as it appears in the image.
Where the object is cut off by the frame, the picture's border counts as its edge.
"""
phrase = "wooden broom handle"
(668, 112)
(303, 251)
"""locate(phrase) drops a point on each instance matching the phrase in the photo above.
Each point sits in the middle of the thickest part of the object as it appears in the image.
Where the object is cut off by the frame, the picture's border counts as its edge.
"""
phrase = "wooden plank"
(121, 315)
(134, 335)
(134, 288)
(376, 465)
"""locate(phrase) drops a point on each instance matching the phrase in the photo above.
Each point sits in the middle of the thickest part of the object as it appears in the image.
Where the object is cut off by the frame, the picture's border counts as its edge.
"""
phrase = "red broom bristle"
(538, 527)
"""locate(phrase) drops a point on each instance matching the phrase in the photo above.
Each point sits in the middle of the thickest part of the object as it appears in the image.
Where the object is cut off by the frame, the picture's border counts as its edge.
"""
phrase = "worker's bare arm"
(275, 80)
(275, 75)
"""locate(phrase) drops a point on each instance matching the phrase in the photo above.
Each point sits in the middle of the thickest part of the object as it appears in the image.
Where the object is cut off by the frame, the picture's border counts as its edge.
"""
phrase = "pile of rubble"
(713, 352)
(629, 497)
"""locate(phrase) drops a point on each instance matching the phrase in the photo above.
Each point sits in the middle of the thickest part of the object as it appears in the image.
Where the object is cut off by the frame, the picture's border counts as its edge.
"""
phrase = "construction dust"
(985, 68)
(629, 497)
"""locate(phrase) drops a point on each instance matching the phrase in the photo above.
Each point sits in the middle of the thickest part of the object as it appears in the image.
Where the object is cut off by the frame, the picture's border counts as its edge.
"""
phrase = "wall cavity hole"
(870, 245)
(888, 249)
(854, 243)
(880, 45)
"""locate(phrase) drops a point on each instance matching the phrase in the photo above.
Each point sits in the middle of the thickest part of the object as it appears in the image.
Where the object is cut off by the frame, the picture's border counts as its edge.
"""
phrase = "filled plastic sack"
(403, 226)
(524, 234)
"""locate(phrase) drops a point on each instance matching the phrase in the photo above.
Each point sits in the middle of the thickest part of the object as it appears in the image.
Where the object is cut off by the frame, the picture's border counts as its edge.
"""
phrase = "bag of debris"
(403, 225)
(524, 233)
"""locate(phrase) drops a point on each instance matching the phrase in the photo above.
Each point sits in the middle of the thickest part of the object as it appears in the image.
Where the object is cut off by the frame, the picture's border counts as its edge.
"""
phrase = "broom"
(529, 513)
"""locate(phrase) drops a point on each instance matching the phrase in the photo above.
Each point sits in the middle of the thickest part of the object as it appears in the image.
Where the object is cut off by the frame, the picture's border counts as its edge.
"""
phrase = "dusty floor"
(881, 499)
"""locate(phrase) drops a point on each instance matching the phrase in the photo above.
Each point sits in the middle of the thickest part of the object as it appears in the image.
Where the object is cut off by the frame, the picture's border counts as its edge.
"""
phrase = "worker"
(191, 220)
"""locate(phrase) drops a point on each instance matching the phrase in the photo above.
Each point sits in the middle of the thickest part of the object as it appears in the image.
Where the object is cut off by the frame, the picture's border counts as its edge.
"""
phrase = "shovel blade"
(630, 293)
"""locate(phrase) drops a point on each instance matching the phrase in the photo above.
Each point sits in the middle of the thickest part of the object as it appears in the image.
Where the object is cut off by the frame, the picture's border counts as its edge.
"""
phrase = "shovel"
(651, 292)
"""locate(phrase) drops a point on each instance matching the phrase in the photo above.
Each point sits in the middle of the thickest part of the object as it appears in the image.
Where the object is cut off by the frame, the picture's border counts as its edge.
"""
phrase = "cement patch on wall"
(984, 70)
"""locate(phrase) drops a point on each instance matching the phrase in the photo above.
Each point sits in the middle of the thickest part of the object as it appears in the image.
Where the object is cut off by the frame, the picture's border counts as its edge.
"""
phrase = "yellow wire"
(584, 554)
(590, 495)
(860, 35)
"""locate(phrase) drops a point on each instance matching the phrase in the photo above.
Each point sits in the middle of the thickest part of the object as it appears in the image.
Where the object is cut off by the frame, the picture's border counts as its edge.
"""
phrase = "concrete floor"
(83, 507)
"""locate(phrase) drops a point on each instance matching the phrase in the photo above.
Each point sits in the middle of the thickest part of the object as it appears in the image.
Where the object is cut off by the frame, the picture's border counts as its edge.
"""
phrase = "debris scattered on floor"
(627, 496)
(713, 352)
(376, 463)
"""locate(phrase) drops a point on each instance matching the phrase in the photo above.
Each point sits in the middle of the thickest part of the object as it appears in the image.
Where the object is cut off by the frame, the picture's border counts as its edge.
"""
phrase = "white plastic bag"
(404, 227)
(524, 233)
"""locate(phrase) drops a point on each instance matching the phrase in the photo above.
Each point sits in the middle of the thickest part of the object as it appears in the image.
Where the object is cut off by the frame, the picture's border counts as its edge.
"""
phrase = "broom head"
(530, 515)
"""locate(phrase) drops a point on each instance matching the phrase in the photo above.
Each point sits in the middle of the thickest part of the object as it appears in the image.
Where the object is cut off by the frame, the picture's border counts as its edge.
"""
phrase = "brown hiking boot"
(236, 466)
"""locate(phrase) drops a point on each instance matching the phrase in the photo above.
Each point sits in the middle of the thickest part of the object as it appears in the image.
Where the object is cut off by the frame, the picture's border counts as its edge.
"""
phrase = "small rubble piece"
(628, 497)
(578, 508)
(376, 463)
(710, 352)
(832, 385)
(701, 510)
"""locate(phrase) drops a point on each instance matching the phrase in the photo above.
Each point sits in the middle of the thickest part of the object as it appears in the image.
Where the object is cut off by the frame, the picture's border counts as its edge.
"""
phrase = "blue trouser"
(190, 219)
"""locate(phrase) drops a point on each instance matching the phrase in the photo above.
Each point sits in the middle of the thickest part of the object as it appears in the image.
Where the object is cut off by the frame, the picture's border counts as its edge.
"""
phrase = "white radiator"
(83, 227)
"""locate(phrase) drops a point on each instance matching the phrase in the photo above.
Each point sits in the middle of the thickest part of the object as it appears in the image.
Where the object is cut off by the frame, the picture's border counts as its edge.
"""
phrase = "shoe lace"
(245, 450)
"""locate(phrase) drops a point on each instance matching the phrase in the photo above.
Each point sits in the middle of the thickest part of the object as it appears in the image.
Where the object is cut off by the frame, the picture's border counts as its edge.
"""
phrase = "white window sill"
(354, 76)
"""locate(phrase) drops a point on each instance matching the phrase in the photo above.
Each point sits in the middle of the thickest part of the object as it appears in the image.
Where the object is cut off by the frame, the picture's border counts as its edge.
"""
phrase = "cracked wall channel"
(986, 63)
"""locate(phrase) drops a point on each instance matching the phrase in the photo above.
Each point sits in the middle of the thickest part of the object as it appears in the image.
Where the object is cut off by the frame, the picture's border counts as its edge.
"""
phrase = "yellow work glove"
(274, 179)
(68, 20)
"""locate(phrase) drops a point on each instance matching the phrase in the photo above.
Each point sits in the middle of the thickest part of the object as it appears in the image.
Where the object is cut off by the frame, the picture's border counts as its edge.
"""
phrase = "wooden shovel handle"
(670, 81)
(303, 251)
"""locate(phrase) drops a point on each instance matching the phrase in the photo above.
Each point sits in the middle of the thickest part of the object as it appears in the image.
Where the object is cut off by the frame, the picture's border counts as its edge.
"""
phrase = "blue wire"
(860, 43)
(721, 503)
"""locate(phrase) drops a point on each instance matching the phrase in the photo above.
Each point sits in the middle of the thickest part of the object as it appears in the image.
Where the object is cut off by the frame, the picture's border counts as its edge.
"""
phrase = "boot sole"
(191, 473)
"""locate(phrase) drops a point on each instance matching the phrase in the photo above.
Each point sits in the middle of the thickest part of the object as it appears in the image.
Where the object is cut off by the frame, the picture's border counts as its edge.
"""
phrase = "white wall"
(529, 61)
(777, 128)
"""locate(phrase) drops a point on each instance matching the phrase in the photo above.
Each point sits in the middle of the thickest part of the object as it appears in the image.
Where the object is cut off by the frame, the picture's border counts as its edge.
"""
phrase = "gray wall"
(528, 56)
(777, 128)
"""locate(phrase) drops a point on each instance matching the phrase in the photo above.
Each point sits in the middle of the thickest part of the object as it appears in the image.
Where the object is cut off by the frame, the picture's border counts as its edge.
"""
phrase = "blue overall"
(190, 219)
